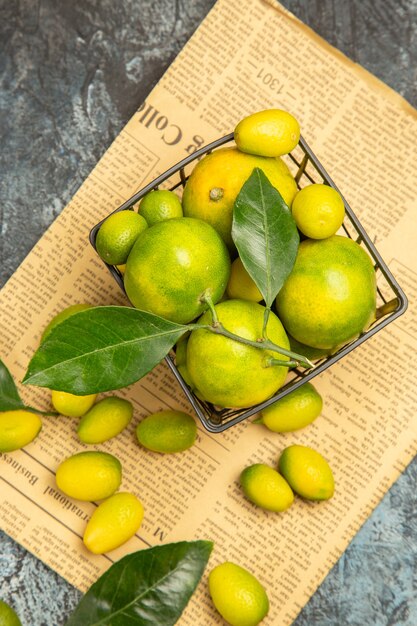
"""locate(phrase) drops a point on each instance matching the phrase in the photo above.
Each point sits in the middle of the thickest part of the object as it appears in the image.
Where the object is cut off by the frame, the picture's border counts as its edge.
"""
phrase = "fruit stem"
(266, 318)
(263, 344)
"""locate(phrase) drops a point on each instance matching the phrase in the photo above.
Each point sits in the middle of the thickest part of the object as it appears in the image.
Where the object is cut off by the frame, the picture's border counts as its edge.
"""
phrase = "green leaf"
(265, 234)
(102, 349)
(9, 395)
(147, 588)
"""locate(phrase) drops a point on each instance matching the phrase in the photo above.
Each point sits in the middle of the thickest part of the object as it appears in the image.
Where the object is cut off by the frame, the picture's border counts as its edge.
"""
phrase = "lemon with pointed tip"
(269, 133)
(238, 595)
(8, 617)
(318, 211)
(307, 472)
(106, 419)
(114, 522)
(70, 404)
(18, 428)
(266, 488)
(89, 476)
(294, 411)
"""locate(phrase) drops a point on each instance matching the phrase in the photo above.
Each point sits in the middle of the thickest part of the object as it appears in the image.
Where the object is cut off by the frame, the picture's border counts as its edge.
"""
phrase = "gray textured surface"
(72, 74)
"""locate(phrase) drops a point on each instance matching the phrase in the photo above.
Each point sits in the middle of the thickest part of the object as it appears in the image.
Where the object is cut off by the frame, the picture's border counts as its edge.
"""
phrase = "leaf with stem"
(265, 235)
(9, 396)
(150, 587)
(101, 349)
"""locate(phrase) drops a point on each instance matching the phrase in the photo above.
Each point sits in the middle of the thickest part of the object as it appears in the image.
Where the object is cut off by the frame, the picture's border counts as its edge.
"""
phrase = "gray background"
(56, 54)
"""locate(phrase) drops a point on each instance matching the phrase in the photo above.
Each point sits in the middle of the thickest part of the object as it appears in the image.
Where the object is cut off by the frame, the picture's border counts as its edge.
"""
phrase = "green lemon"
(238, 595)
(216, 180)
(117, 235)
(173, 264)
(160, 205)
(70, 404)
(263, 486)
(105, 420)
(241, 285)
(307, 472)
(181, 350)
(167, 431)
(89, 475)
(18, 428)
(63, 315)
(294, 411)
(318, 211)
(232, 374)
(269, 133)
(113, 523)
(8, 617)
(329, 298)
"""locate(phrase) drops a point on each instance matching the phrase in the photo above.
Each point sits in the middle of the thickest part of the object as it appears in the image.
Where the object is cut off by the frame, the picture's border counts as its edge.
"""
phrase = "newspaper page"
(246, 56)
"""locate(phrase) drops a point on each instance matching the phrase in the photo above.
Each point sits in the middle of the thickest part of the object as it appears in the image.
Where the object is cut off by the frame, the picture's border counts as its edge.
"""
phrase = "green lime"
(263, 486)
(173, 264)
(232, 374)
(117, 235)
(89, 475)
(70, 404)
(295, 410)
(329, 298)
(318, 211)
(106, 419)
(18, 428)
(8, 617)
(238, 595)
(307, 472)
(113, 523)
(167, 431)
(160, 205)
(63, 315)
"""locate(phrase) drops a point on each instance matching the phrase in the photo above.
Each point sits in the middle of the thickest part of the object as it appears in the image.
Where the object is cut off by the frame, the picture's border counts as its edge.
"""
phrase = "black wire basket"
(306, 169)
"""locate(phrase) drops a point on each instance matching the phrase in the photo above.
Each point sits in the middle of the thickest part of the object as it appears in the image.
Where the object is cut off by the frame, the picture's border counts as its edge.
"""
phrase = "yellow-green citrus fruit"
(70, 404)
(269, 133)
(294, 411)
(172, 265)
(63, 315)
(167, 431)
(238, 595)
(240, 285)
(117, 234)
(17, 429)
(231, 374)
(307, 472)
(89, 475)
(266, 488)
(329, 297)
(318, 211)
(106, 419)
(8, 617)
(160, 205)
(113, 523)
(217, 179)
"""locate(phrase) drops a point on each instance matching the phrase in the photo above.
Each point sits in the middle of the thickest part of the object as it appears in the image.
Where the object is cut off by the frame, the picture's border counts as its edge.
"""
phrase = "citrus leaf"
(265, 234)
(101, 349)
(9, 395)
(147, 588)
